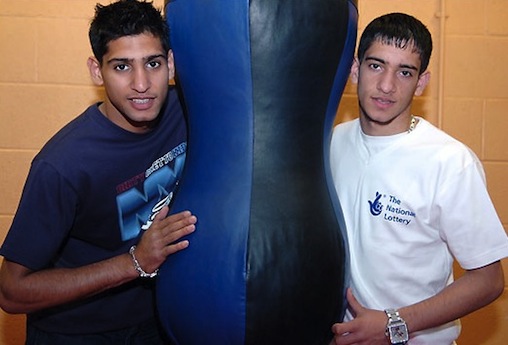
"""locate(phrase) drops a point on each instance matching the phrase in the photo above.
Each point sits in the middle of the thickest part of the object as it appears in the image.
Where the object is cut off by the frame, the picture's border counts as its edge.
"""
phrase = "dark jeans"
(147, 333)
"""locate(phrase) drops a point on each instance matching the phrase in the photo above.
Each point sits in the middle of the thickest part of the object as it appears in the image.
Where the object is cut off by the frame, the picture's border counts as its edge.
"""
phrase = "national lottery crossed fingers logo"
(390, 208)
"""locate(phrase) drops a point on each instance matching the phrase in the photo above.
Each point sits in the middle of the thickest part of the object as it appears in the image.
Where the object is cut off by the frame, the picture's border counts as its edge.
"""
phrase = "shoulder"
(172, 113)
(442, 147)
(173, 103)
(441, 141)
(347, 126)
(71, 133)
(172, 128)
(346, 129)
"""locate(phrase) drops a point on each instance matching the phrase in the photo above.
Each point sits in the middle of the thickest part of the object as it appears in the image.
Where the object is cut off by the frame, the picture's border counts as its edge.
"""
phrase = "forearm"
(472, 291)
(25, 291)
(33, 291)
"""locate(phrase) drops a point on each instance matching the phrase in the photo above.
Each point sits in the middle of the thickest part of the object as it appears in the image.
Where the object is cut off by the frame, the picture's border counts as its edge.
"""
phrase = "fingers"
(162, 213)
(354, 305)
(178, 225)
(174, 235)
(339, 328)
(166, 230)
(342, 333)
(184, 217)
(175, 227)
(173, 223)
(176, 247)
(164, 237)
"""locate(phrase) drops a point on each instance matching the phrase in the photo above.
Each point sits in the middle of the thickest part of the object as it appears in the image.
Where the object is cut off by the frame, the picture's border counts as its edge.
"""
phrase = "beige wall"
(44, 83)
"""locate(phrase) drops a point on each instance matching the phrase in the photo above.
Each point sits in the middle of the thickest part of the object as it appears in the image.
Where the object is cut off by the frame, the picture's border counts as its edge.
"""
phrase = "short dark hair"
(400, 30)
(126, 18)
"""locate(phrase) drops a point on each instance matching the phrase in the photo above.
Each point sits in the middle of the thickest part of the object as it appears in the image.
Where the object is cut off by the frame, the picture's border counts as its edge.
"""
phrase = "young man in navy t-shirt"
(91, 227)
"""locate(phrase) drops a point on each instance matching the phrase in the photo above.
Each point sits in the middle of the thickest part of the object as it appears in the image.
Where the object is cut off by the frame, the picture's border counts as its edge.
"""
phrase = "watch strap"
(394, 318)
(393, 315)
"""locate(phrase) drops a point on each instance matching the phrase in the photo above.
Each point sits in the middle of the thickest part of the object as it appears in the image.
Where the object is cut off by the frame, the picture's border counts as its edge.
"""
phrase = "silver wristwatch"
(396, 329)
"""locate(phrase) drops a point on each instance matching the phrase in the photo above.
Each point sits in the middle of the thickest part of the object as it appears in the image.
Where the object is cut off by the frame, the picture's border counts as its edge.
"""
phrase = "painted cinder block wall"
(44, 83)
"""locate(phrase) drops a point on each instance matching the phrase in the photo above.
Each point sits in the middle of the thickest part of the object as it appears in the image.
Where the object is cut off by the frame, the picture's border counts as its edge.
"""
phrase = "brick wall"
(44, 83)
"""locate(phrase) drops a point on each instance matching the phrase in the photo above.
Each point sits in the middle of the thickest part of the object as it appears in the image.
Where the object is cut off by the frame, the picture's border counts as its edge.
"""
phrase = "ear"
(171, 65)
(94, 67)
(355, 70)
(423, 80)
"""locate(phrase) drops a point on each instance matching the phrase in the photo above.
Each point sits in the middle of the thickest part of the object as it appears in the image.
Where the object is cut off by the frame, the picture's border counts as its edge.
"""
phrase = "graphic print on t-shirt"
(137, 208)
(394, 211)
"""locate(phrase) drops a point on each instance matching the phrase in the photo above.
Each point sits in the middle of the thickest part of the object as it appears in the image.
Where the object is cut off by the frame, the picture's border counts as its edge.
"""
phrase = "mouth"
(383, 102)
(142, 103)
(140, 100)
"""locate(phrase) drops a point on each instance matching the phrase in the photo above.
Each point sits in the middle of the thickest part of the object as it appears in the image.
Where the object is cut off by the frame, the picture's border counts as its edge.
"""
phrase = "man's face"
(135, 73)
(387, 81)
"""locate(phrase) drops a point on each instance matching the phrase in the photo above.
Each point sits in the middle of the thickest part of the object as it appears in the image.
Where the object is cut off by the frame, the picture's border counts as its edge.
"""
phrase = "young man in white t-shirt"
(414, 199)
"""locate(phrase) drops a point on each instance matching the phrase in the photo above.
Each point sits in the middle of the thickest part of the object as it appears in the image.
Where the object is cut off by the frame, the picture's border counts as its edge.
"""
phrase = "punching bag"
(261, 81)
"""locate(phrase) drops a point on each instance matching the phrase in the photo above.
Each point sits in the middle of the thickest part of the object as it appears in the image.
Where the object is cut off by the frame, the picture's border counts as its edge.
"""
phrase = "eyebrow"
(127, 60)
(372, 58)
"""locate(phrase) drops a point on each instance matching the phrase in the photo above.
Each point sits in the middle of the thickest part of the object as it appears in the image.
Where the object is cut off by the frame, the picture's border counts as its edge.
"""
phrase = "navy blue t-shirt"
(91, 191)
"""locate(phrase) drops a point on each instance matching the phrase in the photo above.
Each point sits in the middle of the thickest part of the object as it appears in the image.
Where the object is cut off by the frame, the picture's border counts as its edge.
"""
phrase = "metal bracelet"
(138, 268)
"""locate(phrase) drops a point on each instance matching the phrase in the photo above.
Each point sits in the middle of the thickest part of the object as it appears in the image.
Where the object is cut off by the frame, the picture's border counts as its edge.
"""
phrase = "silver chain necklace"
(412, 124)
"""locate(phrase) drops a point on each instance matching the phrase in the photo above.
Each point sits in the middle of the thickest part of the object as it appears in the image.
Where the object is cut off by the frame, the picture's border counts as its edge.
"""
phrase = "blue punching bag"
(261, 82)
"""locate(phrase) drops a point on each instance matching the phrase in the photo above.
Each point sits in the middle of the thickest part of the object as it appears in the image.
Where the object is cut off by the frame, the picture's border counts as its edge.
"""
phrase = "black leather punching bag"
(261, 82)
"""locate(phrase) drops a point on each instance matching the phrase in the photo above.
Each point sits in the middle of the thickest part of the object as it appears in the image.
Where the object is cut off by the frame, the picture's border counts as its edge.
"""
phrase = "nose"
(386, 83)
(140, 80)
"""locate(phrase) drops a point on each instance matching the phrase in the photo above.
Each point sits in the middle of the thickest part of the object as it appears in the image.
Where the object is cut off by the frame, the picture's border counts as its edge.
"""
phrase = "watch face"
(398, 333)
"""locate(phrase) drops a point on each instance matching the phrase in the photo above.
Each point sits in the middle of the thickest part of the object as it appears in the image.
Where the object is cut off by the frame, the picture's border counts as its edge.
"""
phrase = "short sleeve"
(469, 222)
(43, 220)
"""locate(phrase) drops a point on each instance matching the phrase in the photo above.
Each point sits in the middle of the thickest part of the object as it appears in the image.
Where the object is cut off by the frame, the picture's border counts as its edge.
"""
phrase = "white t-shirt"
(411, 203)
